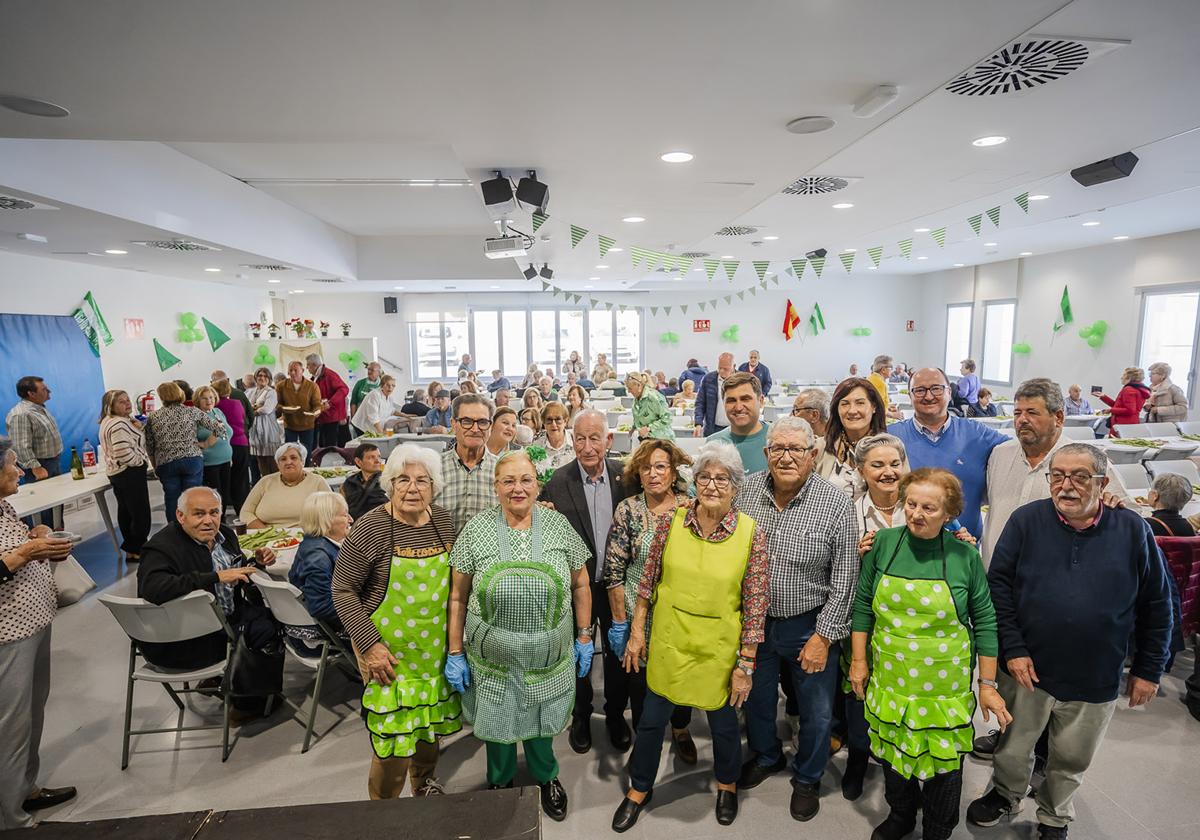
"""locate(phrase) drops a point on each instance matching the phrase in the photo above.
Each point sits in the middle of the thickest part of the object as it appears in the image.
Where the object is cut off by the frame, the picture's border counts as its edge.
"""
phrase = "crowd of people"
(839, 554)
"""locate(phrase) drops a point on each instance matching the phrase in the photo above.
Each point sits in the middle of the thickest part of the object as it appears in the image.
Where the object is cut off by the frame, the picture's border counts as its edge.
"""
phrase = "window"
(1168, 333)
(958, 335)
(513, 346)
(629, 346)
(438, 340)
(571, 335)
(600, 338)
(485, 341)
(999, 324)
(543, 334)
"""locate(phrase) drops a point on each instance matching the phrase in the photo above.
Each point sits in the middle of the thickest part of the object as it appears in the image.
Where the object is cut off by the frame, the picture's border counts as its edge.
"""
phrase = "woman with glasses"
(856, 412)
(924, 605)
(516, 647)
(554, 442)
(652, 475)
(707, 574)
(651, 417)
(391, 587)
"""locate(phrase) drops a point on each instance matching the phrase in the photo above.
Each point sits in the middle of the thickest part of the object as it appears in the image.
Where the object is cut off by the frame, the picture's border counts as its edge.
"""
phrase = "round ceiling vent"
(1019, 66)
(271, 267)
(815, 186)
(737, 230)
(175, 245)
(9, 203)
(694, 255)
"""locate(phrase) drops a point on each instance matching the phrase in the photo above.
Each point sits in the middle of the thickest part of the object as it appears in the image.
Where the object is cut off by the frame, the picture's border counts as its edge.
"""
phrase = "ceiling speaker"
(389, 306)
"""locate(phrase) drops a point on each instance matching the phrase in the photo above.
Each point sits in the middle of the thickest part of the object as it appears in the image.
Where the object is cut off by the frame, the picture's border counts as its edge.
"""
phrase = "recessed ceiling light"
(32, 107)
(493, 287)
(922, 258)
(115, 251)
(920, 230)
(697, 268)
(618, 250)
(589, 287)
(297, 291)
(770, 238)
(274, 280)
(1090, 224)
(1026, 254)
(634, 219)
(990, 140)
(872, 267)
(212, 270)
(397, 288)
(601, 266)
(1120, 238)
(677, 157)
(959, 265)
(810, 125)
(849, 250)
(1038, 197)
(593, 278)
(989, 244)
(727, 257)
(844, 205)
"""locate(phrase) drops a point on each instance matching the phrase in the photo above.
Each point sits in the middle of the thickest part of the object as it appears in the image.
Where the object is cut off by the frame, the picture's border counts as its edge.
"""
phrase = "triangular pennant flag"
(652, 258)
(798, 268)
(994, 215)
(545, 285)
(701, 305)
(165, 358)
(667, 310)
(653, 310)
(1064, 309)
(847, 260)
(577, 235)
(729, 298)
(621, 306)
(636, 255)
(760, 268)
(670, 261)
(539, 219)
(592, 302)
(976, 222)
(606, 242)
(906, 248)
(684, 265)
(731, 267)
(710, 267)
(1023, 201)
(939, 236)
(753, 290)
(215, 335)
(876, 254)
(818, 264)
(741, 295)
(608, 306)
(775, 279)
(684, 308)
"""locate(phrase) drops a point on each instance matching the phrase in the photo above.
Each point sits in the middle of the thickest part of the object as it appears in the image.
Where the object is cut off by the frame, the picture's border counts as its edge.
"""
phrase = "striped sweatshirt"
(123, 444)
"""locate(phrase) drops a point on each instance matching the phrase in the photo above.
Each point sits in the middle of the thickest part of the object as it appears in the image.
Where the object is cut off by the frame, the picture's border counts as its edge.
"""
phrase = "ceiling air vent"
(327, 280)
(174, 245)
(271, 267)
(815, 185)
(1033, 61)
(694, 255)
(9, 202)
(737, 230)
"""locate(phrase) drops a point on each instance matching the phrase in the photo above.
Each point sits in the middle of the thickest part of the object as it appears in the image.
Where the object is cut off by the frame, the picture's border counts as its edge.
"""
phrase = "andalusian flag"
(816, 320)
(1064, 309)
(791, 320)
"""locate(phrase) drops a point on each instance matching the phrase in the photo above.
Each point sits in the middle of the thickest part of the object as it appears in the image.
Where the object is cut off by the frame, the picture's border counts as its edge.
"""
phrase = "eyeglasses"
(1079, 478)
(554, 420)
(471, 423)
(932, 391)
(795, 452)
(796, 412)
(403, 482)
(721, 482)
(526, 483)
(655, 468)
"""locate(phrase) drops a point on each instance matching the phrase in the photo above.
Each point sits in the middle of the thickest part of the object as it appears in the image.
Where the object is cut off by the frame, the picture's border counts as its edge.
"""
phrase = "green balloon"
(188, 319)
(1021, 348)
(1100, 328)
(198, 335)
(344, 357)
(356, 358)
(183, 336)
(1095, 341)
(1086, 332)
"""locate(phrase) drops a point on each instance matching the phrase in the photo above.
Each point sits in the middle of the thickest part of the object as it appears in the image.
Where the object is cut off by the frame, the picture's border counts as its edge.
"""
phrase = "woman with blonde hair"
(124, 446)
(172, 444)
(1127, 407)
(326, 520)
(532, 398)
(651, 417)
(216, 452)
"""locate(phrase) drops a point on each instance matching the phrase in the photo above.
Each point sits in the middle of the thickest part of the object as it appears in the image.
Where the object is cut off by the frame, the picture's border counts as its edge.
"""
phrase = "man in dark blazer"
(587, 491)
(710, 411)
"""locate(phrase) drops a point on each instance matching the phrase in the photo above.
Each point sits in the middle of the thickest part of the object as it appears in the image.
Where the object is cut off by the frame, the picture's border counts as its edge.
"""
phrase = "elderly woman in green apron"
(923, 603)
(516, 644)
(707, 577)
(391, 590)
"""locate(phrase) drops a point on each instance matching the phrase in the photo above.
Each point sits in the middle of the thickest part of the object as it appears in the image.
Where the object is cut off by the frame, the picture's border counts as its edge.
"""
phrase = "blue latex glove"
(618, 635)
(458, 672)
(583, 657)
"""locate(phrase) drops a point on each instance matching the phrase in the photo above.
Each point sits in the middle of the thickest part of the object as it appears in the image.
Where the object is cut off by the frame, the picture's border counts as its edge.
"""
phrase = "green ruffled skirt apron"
(919, 701)
(419, 705)
(520, 647)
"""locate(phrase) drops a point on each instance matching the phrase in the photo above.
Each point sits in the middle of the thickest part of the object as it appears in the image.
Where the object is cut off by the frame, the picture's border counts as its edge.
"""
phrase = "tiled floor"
(1142, 785)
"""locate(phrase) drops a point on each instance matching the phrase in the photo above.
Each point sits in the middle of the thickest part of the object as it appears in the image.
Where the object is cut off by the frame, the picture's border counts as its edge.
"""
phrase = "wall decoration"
(976, 222)
(188, 331)
(994, 214)
(1021, 348)
(791, 320)
(165, 358)
(92, 324)
(818, 264)
(134, 327)
(861, 331)
(847, 261)
(1094, 335)
(1064, 311)
(816, 320)
(876, 254)
(731, 267)
(669, 338)
(906, 248)
(1022, 201)
(939, 236)
(577, 235)
(263, 357)
(798, 268)
(731, 334)
(216, 336)
(605, 243)
(351, 359)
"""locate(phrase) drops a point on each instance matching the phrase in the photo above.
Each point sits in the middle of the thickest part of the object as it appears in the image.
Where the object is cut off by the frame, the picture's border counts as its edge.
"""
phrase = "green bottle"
(76, 465)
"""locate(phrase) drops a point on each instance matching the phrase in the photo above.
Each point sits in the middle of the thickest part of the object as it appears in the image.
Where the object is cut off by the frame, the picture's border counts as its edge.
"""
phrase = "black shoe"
(580, 736)
(984, 747)
(685, 747)
(628, 812)
(48, 798)
(1037, 777)
(210, 687)
(619, 734)
(990, 808)
(856, 771)
(806, 801)
(1052, 832)
(753, 773)
(501, 787)
(554, 800)
(727, 806)
(894, 828)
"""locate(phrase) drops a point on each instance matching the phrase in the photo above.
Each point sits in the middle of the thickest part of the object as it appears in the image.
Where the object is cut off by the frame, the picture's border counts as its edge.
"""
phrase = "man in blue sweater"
(935, 438)
(1073, 583)
(710, 413)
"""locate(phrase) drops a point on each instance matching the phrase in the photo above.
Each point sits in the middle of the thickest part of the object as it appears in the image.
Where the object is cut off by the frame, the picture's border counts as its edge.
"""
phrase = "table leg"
(107, 517)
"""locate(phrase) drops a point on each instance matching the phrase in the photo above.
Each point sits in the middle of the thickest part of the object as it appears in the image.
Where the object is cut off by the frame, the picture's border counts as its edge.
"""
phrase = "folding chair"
(1134, 478)
(286, 602)
(192, 616)
(1080, 433)
(1187, 469)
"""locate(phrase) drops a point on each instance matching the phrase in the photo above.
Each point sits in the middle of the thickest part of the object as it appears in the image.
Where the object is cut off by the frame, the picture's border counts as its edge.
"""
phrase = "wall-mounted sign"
(701, 325)
(910, 326)
(133, 327)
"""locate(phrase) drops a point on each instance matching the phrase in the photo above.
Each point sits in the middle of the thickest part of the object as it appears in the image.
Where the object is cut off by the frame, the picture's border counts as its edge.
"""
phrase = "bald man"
(710, 409)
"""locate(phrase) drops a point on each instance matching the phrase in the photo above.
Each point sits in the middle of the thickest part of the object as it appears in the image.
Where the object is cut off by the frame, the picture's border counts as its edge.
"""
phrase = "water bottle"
(89, 454)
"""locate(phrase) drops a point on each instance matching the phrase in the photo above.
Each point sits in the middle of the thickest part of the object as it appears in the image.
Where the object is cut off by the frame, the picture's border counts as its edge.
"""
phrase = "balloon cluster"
(730, 334)
(189, 332)
(669, 338)
(1021, 348)
(862, 331)
(263, 357)
(351, 359)
(1094, 335)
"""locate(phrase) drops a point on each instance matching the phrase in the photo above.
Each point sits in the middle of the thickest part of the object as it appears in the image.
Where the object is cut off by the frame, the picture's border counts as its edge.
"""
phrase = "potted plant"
(273, 330)
(255, 329)
(324, 329)
(308, 328)
(297, 326)
(345, 329)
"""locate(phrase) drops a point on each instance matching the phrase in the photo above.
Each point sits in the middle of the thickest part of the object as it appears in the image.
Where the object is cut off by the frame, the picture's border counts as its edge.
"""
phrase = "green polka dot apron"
(419, 705)
(520, 645)
(919, 701)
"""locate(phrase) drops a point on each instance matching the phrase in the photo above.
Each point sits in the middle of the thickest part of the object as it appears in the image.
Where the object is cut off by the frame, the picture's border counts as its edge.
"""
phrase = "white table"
(1173, 447)
(337, 480)
(61, 489)
(284, 557)
(1080, 419)
(387, 444)
(994, 422)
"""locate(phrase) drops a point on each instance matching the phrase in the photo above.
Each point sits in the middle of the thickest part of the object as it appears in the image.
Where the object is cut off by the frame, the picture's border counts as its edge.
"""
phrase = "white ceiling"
(591, 94)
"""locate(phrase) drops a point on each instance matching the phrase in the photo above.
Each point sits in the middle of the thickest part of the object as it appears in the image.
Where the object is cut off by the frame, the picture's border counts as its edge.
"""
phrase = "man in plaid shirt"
(813, 542)
(468, 469)
(35, 437)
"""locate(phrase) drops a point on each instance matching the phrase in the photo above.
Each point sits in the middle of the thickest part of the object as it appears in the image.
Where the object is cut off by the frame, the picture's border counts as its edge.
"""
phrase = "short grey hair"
(591, 412)
(863, 448)
(723, 455)
(469, 399)
(1161, 368)
(314, 358)
(1099, 459)
(817, 400)
(1174, 491)
(418, 395)
(402, 457)
(181, 502)
(318, 510)
(291, 444)
(1048, 390)
(788, 423)
(6, 446)
(880, 363)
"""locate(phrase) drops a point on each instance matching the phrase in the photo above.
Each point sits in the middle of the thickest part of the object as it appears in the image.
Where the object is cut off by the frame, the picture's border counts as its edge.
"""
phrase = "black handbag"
(256, 672)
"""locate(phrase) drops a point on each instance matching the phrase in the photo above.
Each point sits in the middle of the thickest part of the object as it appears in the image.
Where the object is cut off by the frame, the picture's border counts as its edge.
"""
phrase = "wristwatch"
(745, 667)
(989, 683)
(6, 574)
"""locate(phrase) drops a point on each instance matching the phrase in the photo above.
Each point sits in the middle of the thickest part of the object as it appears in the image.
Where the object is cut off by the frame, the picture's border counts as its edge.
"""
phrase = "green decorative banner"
(710, 268)
(976, 222)
(667, 337)
(1064, 311)
(684, 264)
(760, 268)
(847, 261)
(798, 268)
(89, 332)
(605, 242)
(539, 219)
(652, 258)
(731, 267)
(906, 248)
(939, 236)
(577, 235)
(876, 254)
(1023, 201)
(165, 358)
(216, 337)
(636, 255)
(1022, 348)
(818, 315)
(93, 310)
(818, 264)
(994, 215)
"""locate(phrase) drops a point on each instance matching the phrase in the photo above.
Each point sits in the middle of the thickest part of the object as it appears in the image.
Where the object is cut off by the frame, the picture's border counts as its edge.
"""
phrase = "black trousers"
(647, 747)
(217, 476)
(327, 434)
(239, 477)
(681, 718)
(616, 681)
(133, 507)
(937, 798)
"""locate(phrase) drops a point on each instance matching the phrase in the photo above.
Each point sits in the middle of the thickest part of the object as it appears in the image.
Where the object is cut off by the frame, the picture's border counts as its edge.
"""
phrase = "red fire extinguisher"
(146, 403)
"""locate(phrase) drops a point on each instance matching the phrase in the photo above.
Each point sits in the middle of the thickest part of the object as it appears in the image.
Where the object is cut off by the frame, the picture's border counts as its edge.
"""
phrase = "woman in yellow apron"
(923, 602)
(707, 576)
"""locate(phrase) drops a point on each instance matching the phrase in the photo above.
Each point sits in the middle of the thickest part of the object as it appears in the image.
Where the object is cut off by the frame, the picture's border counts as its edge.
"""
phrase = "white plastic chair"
(1133, 477)
(286, 603)
(1185, 468)
(189, 617)
(1081, 433)
(1188, 427)
(1145, 430)
(690, 445)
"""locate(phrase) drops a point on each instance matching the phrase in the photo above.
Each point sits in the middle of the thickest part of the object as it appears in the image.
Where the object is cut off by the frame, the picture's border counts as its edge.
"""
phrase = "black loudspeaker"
(389, 306)
(1103, 171)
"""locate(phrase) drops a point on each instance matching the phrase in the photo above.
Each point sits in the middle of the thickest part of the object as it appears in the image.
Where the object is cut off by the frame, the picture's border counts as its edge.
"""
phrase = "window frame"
(1143, 292)
(1012, 339)
(970, 307)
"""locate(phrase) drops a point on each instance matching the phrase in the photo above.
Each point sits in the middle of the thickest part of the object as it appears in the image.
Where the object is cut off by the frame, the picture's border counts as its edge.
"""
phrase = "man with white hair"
(812, 534)
(710, 406)
(333, 424)
(812, 405)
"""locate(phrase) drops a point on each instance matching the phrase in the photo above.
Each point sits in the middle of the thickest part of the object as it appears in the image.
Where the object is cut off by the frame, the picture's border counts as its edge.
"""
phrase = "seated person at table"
(1167, 498)
(1076, 403)
(277, 498)
(361, 489)
(417, 406)
(437, 420)
(499, 380)
(983, 407)
(326, 521)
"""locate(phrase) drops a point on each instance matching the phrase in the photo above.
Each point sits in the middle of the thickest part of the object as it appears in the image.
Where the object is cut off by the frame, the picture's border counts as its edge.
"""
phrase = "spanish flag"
(790, 321)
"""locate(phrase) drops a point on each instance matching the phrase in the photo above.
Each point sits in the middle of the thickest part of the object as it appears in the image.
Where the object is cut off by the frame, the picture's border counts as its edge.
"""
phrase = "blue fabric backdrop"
(52, 347)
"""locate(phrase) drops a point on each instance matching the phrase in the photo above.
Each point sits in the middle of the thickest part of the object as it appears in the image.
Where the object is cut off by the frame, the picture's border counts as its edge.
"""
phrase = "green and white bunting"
(701, 304)
(939, 236)
(652, 258)
(728, 299)
(577, 235)
(684, 264)
(847, 261)
(906, 247)
(818, 264)
(1023, 201)
(92, 324)
(731, 267)
(876, 254)
(798, 268)
(605, 242)
(994, 215)
(760, 268)
(741, 295)
(976, 222)
(539, 219)
(710, 268)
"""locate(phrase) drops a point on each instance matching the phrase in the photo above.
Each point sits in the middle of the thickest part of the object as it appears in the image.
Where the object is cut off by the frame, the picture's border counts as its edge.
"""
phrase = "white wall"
(45, 286)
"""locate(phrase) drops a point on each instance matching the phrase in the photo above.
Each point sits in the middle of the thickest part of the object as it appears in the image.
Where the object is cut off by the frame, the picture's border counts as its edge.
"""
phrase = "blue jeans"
(306, 438)
(785, 637)
(177, 476)
(647, 747)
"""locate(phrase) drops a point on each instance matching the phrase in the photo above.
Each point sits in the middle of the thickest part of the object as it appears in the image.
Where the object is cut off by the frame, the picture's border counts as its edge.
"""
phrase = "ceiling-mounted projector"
(503, 247)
